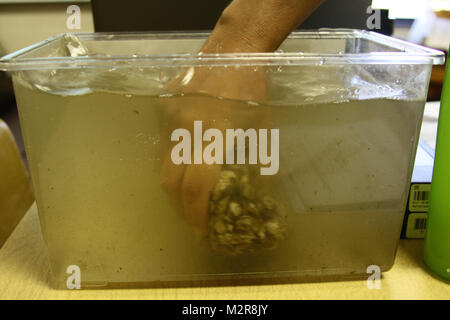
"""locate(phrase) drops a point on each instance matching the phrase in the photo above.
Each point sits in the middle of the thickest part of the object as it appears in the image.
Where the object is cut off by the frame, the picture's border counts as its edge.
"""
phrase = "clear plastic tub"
(332, 122)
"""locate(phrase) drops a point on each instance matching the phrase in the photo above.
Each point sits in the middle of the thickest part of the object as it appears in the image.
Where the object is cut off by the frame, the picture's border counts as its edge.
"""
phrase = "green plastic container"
(437, 238)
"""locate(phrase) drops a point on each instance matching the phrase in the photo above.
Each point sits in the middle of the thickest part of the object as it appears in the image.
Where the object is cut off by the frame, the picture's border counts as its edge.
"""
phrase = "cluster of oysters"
(242, 219)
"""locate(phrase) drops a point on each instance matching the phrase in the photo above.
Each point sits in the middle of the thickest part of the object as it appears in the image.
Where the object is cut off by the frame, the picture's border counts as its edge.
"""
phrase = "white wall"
(24, 24)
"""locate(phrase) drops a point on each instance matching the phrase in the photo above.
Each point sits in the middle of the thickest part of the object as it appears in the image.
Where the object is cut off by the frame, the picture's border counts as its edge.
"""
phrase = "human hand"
(190, 185)
(244, 26)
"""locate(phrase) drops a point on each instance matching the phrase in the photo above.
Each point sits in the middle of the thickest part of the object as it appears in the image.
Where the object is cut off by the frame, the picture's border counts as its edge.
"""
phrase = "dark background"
(183, 15)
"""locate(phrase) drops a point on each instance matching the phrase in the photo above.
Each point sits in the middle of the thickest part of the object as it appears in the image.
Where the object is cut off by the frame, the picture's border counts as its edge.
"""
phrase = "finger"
(172, 177)
(198, 182)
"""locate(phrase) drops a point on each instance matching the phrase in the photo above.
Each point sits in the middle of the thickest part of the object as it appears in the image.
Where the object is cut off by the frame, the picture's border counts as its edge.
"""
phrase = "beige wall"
(24, 24)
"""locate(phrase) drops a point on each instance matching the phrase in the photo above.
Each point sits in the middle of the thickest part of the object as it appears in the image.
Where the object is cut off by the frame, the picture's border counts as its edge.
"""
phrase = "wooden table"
(24, 274)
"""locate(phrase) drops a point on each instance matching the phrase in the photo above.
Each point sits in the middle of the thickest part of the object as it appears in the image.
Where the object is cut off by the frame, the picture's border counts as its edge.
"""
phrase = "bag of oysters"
(244, 217)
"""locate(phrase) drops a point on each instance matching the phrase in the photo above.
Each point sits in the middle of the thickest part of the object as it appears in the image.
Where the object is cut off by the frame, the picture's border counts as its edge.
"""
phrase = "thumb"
(198, 182)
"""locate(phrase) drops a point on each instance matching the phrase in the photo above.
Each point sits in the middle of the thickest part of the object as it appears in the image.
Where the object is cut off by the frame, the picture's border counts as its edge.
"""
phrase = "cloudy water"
(96, 163)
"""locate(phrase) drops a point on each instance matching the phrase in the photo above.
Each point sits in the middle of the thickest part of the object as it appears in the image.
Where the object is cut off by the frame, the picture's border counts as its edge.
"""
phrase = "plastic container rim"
(407, 53)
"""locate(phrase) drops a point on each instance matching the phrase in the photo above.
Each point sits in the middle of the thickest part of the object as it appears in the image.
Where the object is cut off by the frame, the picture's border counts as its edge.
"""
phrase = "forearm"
(257, 25)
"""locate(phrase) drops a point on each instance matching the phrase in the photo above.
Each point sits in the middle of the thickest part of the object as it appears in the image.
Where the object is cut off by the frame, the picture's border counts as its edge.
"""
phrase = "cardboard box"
(414, 223)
